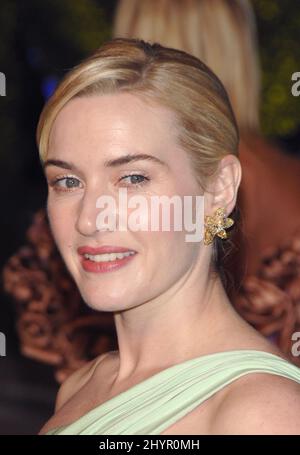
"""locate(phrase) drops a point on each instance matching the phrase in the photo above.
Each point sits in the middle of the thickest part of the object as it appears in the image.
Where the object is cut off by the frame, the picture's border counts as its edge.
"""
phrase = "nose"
(87, 222)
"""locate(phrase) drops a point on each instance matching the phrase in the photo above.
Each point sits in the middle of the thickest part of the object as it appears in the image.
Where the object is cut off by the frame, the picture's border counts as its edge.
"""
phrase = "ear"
(223, 188)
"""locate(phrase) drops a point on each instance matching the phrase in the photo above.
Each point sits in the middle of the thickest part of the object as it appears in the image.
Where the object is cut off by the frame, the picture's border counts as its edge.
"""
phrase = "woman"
(160, 117)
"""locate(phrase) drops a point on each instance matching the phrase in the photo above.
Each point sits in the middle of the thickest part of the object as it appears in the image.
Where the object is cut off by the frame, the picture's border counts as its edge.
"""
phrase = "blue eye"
(137, 179)
(70, 183)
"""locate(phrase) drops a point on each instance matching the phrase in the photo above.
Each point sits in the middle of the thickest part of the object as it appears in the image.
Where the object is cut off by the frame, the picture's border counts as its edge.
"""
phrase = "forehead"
(113, 119)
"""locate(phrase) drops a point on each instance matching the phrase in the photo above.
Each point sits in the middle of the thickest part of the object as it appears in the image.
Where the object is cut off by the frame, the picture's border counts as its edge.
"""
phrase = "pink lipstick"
(115, 258)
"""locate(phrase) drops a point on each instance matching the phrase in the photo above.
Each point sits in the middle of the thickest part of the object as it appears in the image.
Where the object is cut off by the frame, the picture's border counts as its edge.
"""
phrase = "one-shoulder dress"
(159, 401)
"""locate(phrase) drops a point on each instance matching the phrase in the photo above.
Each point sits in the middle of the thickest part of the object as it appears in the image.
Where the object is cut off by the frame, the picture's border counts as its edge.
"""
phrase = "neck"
(172, 329)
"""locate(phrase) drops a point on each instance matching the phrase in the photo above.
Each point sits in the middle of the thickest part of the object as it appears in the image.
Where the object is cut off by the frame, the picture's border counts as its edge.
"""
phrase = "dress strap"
(154, 404)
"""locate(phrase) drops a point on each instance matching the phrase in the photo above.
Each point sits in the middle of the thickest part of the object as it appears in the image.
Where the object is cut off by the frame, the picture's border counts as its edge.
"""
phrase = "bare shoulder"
(76, 381)
(259, 403)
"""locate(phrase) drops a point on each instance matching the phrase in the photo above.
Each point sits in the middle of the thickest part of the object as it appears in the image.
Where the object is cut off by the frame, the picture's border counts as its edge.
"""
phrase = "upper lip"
(103, 249)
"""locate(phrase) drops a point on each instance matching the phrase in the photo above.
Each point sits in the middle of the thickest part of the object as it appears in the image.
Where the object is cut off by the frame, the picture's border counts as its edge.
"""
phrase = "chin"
(96, 306)
(105, 306)
(101, 299)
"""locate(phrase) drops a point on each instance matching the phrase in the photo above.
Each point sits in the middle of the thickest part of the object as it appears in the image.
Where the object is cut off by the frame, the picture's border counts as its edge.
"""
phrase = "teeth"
(108, 257)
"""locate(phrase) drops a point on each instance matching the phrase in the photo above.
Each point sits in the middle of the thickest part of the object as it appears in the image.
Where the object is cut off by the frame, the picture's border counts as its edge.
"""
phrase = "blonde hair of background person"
(173, 87)
(222, 33)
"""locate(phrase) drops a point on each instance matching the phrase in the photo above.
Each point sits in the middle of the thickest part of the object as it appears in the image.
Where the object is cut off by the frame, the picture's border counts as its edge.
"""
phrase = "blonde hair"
(221, 33)
(204, 121)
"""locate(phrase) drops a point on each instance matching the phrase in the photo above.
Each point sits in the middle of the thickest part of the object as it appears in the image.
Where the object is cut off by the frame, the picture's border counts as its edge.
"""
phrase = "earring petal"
(208, 237)
(222, 234)
(229, 222)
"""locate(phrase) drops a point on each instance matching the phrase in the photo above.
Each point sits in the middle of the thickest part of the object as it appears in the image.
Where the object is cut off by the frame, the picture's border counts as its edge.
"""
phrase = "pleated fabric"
(151, 406)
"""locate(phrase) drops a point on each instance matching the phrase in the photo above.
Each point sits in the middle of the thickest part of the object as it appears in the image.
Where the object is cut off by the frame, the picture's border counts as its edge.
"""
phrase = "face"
(88, 136)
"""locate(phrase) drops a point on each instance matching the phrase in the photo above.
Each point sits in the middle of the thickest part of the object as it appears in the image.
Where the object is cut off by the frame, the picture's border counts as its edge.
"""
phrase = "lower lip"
(103, 267)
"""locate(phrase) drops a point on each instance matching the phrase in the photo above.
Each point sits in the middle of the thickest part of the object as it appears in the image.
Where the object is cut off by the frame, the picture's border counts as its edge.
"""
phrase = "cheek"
(60, 220)
(168, 258)
(166, 249)
(162, 229)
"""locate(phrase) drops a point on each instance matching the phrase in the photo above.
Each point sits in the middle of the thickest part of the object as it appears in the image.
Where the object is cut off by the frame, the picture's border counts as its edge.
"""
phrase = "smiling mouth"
(108, 262)
(108, 257)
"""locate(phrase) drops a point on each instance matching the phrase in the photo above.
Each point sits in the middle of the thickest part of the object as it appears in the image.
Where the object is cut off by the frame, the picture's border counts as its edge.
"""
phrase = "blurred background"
(39, 42)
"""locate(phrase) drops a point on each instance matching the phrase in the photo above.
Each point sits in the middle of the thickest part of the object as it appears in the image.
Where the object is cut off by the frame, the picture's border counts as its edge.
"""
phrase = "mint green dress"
(154, 404)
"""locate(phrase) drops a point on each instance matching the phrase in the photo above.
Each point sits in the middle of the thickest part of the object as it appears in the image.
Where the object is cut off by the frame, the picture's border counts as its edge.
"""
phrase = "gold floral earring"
(216, 225)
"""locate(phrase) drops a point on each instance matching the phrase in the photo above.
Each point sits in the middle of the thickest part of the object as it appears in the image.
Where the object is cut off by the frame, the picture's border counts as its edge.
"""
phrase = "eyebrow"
(129, 158)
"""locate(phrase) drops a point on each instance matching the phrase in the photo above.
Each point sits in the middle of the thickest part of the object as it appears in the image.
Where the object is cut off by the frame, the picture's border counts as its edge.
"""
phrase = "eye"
(66, 183)
(136, 179)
